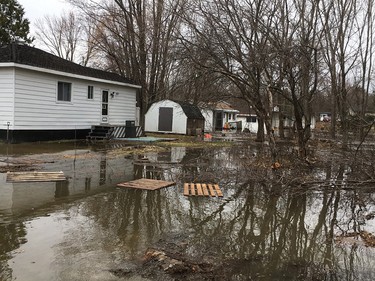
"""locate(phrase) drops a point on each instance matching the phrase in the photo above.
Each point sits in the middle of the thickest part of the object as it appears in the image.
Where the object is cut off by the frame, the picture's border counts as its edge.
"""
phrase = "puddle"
(88, 229)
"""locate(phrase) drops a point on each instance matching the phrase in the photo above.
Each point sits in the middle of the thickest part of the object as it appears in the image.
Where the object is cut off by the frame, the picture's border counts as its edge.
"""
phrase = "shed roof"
(27, 55)
(191, 111)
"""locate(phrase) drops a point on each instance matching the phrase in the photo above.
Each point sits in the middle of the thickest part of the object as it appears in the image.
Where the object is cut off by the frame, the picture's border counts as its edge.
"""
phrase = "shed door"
(165, 119)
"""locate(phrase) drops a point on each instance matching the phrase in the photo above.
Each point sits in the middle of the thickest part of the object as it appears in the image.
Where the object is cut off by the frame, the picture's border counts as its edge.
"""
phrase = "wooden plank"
(199, 189)
(205, 191)
(202, 189)
(218, 190)
(192, 189)
(35, 176)
(147, 184)
(212, 191)
(186, 189)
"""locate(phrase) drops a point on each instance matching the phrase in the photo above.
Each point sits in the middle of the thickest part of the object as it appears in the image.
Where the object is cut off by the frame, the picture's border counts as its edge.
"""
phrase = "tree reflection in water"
(266, 227)
(262, 228)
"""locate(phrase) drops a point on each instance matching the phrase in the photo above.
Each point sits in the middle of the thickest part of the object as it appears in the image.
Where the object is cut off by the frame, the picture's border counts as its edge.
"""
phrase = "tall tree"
(136, 39)
(14, 27)
(234, 38)
(367, 49)
(296, 41)
(341, 53)
(59, 34)
(67, 36)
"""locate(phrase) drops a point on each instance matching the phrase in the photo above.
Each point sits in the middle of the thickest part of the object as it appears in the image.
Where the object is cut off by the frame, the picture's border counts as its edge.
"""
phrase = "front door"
(104, 106)
(219, 121)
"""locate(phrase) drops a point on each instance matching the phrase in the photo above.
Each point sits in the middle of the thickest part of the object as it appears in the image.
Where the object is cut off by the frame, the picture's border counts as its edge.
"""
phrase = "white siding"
(6, 97)
(209, 120)
(122, 106)
(37, 108)
(251, 126)
(179, 122)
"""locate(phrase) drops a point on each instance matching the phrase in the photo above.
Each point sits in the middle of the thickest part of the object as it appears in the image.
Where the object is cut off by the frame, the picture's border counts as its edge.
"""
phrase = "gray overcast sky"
(35, 9)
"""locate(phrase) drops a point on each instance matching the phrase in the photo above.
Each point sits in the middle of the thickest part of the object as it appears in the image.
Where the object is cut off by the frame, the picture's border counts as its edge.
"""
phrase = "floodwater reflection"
(88, 227)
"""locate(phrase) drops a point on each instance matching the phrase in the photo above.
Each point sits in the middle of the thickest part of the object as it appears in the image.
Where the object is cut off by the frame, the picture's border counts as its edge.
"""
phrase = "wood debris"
(147, 184)
(35, 176)
(202, 189)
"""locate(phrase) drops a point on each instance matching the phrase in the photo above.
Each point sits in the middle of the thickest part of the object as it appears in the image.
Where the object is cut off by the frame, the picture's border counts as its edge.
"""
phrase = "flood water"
(88, 229)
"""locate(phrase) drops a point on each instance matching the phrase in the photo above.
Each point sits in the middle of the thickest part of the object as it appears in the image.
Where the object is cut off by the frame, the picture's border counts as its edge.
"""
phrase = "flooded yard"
(300, 222)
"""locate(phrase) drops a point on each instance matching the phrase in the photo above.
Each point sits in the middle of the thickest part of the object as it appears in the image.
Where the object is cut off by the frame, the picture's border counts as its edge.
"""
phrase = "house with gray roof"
(175, 117)
(44, 97)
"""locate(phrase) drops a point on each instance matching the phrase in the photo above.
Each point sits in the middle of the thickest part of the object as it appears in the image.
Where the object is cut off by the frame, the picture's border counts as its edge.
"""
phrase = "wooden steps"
(202, 189)
(100, 133)
(35, 176)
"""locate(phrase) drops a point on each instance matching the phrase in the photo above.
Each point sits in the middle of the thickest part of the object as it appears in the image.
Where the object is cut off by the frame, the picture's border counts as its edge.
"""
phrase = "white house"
(175, 117)
(219, 116)
(46, 97)
(249, 122)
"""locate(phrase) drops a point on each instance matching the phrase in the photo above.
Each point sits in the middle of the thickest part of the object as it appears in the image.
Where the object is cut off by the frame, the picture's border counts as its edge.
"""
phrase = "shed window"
(90, 92)
(64, 91)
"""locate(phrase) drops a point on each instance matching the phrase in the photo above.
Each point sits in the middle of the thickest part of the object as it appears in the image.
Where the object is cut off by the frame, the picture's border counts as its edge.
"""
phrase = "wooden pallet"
(147, 184)
(35, 176)
(202, 189)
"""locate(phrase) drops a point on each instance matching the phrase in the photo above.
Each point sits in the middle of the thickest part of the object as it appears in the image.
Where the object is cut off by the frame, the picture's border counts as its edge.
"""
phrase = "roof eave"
(67, 74)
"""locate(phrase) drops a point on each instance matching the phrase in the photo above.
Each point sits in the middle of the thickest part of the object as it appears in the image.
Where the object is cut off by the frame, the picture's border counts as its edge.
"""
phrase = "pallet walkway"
(147, 184)
(202, 189)
(35, 176)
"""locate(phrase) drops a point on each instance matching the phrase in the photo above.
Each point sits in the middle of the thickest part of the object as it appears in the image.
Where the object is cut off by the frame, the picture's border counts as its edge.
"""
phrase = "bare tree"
(366, 42)
(135, 38)
(339, 21)
(192, 82)
(296, 70)
(230, 35)
(60, 35)
(268, 49)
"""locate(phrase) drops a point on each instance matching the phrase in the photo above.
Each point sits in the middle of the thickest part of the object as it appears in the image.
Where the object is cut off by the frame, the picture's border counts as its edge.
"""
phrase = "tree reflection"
(263, 229)
(267, 229)
(12, 235)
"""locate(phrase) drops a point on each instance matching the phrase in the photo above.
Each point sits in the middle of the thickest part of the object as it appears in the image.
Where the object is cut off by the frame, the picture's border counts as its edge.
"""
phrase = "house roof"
(27, 55)
(220, 106)
(191, 111)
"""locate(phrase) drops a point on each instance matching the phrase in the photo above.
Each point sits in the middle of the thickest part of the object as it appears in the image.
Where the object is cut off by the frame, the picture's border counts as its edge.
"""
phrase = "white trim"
(67, 74)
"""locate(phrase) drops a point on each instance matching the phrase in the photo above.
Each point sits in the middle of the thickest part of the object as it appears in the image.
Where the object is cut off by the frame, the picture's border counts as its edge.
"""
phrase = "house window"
(251, 119)
(230, 116)
(90, 92)
(64, 91)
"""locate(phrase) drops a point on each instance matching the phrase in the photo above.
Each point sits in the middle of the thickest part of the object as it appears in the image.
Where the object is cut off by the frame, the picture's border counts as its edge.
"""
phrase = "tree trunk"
(260, 132)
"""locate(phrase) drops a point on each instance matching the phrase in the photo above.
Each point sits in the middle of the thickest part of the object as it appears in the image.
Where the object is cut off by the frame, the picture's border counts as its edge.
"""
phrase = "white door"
(104, 106)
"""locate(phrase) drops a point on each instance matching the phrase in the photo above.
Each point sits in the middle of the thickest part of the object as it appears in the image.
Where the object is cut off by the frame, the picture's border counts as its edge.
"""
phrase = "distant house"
(325, 116)
(45, 97)
(219, 116)
(249, 122)
(175, 117)
(281, 124)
